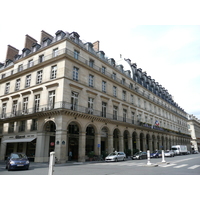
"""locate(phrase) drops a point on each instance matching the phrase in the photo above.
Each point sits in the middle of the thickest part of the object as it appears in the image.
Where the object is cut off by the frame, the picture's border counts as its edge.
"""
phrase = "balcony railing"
(70, 53)
(63, 105)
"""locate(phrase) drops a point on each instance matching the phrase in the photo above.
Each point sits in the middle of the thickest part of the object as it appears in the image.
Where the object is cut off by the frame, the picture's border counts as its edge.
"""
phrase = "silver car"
(169, 153)
(116, 156)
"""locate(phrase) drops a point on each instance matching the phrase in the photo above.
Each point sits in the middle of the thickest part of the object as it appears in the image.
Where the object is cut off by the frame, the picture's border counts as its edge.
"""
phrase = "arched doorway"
(116, 140)
(90, 136)
(104, 140)
(126, 140)
(73, 139)
(50, 131)
(147, 142)
(141, 142)
(134, 142)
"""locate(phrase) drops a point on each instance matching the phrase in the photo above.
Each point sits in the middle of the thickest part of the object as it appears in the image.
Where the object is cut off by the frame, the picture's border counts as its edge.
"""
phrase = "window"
(76, 54)
(123, 81)
(39, 77)
(30, 63)
(28, 80)
(91, 80)
(3, 76)
(74, 101)
(124, 95)
(132, 99)
(90, 105)
(34, 125)
(25, 106)
(91, 63)
(51, 99)
(22, 126)
(115, 112)
(53, 71)
(75, 73)
(104, 109)
(103, 86)
(11, 127)
(138, 102)
(124, 115)
(14, 107)
(114, 76)
(17, 86)
(3, 114)
(7, 88)
(55, 52)
(103, 70)
(41, 58)
(114, 91)
(20, 68)
(132, 117)
(37, 102)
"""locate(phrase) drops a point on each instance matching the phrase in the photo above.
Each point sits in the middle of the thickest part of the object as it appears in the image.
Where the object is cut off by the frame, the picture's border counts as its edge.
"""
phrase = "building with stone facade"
(194, 130)
(62, 94)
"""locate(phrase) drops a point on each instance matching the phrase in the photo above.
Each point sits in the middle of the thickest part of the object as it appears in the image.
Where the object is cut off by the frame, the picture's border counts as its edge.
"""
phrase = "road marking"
(194, 167)
(169, 165)
(179, 166)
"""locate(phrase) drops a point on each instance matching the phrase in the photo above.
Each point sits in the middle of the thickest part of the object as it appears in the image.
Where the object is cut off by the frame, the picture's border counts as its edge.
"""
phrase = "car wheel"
(8, 167)
(116, 160)
(123, 159)
(140, 158)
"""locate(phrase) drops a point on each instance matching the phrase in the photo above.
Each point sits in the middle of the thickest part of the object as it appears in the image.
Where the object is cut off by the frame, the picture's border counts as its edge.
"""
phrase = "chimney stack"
(29, 41)
(96, 46)
(45, 35)
(11, 52)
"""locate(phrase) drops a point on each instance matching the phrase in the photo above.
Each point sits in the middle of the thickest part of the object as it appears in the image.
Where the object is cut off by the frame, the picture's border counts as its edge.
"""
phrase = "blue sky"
(162, 37)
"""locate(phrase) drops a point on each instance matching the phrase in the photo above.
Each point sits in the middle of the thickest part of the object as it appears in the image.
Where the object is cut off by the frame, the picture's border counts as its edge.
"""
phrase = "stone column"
(150, 145)
(130, 143)
(97, 141)
(81, 149)
(138, 143)
(61, 146)
(39, 151)
(3, 150)
(110, 143)
(144, 144)
(121, 142)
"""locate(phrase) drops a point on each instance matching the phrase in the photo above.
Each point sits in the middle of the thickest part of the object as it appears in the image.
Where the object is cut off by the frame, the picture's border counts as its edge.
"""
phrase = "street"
(178, 165)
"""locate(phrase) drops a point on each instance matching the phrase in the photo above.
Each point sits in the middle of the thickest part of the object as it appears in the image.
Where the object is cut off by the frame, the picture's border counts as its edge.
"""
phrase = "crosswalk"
(130, 164)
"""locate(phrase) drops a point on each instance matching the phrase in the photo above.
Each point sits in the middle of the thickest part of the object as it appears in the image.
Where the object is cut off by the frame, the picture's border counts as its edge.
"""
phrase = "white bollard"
(51, 163)
(163, 156)
(148, 158)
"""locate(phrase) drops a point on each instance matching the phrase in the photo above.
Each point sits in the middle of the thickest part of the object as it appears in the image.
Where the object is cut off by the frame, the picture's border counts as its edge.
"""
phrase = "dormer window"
(46, 42)
(25, 52)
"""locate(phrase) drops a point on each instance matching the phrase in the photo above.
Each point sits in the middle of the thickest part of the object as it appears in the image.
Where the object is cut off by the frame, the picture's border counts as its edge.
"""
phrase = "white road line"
(179, 166)
(169, 165)
(194, 167)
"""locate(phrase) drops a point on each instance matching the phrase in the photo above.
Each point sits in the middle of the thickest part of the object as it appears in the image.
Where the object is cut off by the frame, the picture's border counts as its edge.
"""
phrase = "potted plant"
(91, 155)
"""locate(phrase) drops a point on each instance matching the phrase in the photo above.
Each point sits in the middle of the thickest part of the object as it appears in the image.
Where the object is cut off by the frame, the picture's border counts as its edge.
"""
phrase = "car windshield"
(137, 153)
(18, 155)
(174, 148)
(112, 154)
(155, 151)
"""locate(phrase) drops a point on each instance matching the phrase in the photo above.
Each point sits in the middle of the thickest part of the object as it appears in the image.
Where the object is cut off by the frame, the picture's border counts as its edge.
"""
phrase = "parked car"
(139, 156)
(17, 161)
(116, 156)
(156, 154)
(169, 153)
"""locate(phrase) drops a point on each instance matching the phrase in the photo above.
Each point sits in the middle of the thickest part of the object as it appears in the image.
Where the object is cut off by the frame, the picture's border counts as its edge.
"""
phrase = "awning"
(18, 140)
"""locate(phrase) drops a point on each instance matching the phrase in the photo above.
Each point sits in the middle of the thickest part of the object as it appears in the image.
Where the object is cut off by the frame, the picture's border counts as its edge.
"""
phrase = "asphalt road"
(178, 165)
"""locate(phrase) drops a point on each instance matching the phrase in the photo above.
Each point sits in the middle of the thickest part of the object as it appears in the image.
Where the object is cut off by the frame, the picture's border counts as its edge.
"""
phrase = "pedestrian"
(70, 155)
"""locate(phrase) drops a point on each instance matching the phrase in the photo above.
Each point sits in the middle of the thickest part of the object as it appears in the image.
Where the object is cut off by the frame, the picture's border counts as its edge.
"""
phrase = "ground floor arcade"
(81, 136)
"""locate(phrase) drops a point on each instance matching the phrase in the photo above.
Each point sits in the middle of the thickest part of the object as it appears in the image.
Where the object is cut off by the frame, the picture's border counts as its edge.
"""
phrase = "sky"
(162, 37)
